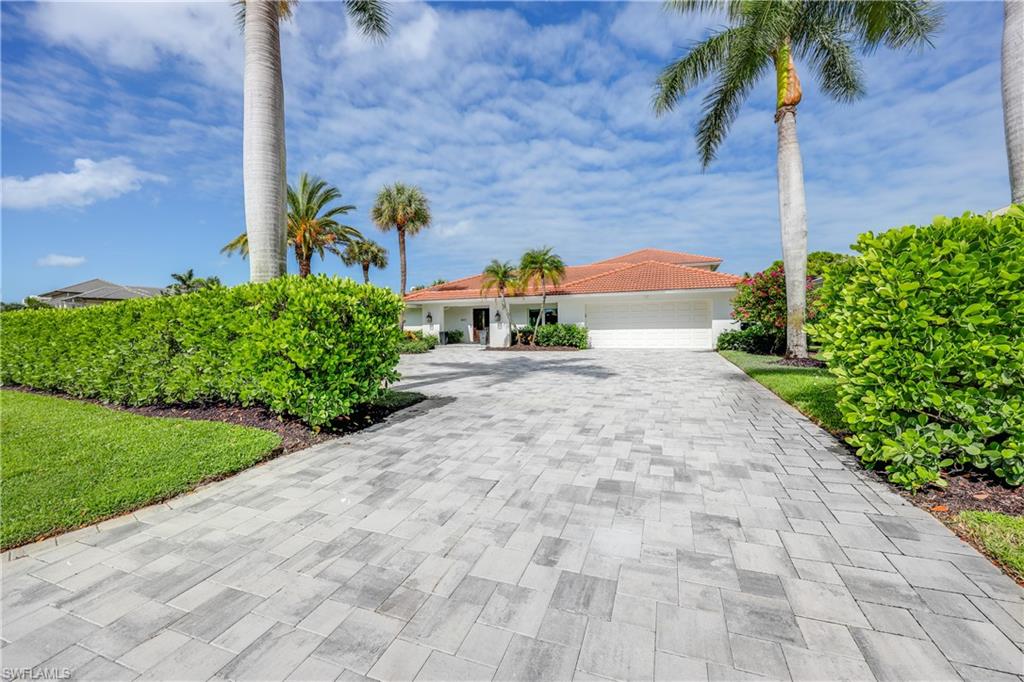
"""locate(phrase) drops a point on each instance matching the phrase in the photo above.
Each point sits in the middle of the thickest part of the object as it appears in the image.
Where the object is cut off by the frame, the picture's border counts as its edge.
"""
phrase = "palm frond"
(896, 23)
(682, 75)
(239, 245)
(831, 54)
(733, 8)
(371, 16)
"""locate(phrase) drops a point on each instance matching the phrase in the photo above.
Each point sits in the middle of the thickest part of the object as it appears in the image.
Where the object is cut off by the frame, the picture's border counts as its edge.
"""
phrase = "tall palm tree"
(404, 208)
(761, 36)
(502, 277)
(544, 266)
(1013, 94)
(367, 254)
(312, 225)
(263, 145)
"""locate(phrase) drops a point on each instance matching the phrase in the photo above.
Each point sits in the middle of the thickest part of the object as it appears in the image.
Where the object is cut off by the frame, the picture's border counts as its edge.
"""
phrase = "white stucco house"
(649, 298)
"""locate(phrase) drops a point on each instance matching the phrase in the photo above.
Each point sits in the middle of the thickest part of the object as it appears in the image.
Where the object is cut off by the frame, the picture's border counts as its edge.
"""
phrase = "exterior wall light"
(497, 316)
(430, 319)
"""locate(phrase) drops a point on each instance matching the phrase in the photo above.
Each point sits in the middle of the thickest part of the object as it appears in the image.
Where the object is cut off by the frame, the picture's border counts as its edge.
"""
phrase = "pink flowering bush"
(761, 303)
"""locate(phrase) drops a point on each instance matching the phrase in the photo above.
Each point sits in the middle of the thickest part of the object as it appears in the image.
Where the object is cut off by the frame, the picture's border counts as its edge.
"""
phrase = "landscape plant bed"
(295, 435)
(536, 348)
(969, 491)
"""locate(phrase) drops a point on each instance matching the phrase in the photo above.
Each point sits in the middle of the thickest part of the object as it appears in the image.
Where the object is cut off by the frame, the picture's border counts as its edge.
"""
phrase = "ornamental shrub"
(523, 336)
(753, 339)
(310, 347)
(415, 341)
(453, 336)
(926, 338)
(761, 302)
(562, 335)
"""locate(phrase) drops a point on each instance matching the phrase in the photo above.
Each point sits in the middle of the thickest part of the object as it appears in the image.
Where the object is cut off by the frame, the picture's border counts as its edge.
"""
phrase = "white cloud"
(523, 128)
(137, 35)
(91, 181)
(649, 27)
(56, 260)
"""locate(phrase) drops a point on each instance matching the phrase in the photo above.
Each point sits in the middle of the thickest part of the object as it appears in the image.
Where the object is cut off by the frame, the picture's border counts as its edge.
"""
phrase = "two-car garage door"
(671, 324)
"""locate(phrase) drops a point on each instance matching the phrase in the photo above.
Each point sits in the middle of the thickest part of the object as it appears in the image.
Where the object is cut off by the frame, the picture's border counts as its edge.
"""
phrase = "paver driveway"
(625, 515)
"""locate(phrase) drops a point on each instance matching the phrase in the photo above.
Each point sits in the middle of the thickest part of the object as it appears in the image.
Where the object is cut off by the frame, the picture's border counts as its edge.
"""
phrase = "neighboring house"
(94, 292)
(645, 299)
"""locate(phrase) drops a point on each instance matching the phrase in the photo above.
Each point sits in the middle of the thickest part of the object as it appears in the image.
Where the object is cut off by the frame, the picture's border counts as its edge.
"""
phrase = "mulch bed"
(800, 362)
(534, 348)
(295, 435)
(969, 491)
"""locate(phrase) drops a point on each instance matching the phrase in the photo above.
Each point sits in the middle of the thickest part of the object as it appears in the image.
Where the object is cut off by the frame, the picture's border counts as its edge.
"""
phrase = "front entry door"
(481, 323)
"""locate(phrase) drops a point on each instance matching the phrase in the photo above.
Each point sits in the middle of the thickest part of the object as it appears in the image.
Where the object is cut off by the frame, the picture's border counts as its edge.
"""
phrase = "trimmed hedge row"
(926, 338)
(310, 347)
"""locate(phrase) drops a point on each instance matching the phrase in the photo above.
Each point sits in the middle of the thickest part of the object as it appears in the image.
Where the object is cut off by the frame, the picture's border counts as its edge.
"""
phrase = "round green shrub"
(926, 338)
(311, 347)
(562, 335)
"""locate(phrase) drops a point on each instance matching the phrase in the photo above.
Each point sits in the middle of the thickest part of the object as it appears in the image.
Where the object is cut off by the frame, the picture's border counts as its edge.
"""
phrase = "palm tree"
(545, 266)
(186, 282)
(1013, 94)
(404, 208)
(763, 35)
(365, 253)
(263, 144)
(502, 277)
(312, 225)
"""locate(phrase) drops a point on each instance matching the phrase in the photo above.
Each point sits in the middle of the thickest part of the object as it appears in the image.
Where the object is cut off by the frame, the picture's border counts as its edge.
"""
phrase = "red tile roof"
(662, 256)
(644, 270)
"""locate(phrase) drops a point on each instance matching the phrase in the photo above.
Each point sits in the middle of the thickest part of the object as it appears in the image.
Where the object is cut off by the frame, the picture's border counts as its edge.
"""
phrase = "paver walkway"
(625, 515)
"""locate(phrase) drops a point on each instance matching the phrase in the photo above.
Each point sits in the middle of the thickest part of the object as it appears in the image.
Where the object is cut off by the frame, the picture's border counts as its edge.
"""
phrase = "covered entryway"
(481, 324)
(645, 324)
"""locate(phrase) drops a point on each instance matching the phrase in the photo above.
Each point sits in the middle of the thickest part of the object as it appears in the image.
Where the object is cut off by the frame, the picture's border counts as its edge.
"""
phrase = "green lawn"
(66, 463)
(1001, 535)
(810, 390)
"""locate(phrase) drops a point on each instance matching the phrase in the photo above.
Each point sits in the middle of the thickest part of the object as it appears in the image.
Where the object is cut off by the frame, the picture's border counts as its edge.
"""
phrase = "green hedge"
(753, 339)
(562, 335)
(311, 347)
(926, 338)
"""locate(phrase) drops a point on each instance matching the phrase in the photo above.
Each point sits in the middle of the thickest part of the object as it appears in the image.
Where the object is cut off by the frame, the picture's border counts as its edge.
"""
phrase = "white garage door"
(675, 324)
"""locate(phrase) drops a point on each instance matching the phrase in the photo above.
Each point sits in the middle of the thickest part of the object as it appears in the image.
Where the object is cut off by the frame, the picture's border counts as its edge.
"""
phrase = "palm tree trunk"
(1013, 94)
(366, 273)
(304, 264)
(263, 151)
(401, 257)
(793, 218)
(543, 304)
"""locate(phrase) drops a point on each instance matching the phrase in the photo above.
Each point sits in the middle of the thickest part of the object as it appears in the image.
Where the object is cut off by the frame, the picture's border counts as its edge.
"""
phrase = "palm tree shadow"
(506, 371)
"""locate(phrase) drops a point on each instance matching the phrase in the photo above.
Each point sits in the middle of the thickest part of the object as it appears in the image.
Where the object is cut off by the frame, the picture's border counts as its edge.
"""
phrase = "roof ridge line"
(609, 272)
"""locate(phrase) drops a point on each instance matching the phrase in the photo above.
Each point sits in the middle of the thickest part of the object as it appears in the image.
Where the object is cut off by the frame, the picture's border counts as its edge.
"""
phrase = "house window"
(550, 316)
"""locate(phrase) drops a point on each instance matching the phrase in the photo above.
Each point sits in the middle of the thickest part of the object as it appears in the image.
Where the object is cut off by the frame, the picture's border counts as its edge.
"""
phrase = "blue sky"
(526, 125)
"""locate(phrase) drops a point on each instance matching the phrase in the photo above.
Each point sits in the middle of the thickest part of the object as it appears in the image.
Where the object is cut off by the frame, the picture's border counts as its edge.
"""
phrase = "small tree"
(544, 266)
(761, 302)
(365, 253)
(503, 278)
